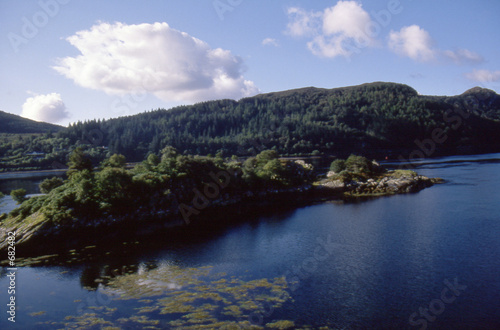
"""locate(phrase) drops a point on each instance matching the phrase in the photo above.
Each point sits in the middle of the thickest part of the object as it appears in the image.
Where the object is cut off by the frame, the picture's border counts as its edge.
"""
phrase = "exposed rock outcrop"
(394, 182)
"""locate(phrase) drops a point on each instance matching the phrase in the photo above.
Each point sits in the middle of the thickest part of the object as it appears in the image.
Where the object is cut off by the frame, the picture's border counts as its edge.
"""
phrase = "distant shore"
(30, 174)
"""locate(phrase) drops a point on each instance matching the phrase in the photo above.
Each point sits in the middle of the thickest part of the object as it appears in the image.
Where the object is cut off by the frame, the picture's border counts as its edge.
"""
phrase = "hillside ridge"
(14, 124)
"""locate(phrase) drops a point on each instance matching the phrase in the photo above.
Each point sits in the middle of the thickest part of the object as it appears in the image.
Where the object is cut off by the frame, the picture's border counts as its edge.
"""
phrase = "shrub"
(118, 161)
(358, 164)
(18, 195)
(48, 185)
(337, 166)
(78, 161)
(345, 176)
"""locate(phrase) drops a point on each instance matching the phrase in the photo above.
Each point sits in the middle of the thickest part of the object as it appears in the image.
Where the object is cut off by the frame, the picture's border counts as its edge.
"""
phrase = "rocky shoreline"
(390, 183)
(35, 229)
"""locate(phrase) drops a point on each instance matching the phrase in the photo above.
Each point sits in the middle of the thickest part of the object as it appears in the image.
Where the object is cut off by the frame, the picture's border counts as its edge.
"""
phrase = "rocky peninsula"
(156, 194)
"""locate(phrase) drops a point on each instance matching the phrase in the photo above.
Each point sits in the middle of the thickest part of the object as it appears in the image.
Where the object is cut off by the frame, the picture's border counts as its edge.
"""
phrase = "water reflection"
(89, 276)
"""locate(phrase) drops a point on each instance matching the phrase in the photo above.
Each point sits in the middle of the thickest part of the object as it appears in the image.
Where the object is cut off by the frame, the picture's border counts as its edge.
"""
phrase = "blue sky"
(69, 60)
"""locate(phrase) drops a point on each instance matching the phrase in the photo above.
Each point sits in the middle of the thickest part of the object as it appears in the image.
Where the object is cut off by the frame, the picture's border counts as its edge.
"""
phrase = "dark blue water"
(399, 262)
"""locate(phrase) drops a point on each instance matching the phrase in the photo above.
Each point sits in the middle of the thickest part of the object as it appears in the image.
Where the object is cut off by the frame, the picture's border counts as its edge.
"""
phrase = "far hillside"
(13, 124)
(378, 119)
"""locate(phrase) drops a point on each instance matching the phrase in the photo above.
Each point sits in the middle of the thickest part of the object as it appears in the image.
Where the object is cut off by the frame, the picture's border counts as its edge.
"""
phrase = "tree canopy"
(154, 185)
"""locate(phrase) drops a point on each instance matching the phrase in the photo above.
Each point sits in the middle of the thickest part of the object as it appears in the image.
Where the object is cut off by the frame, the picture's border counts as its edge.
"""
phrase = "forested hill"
(13, 124)
(376, 118)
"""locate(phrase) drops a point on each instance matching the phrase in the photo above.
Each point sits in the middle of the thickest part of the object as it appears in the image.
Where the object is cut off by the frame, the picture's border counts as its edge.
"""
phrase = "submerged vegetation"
(174, 297)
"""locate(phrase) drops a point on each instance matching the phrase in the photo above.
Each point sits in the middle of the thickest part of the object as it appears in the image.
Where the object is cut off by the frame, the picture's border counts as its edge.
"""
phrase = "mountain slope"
(13, 124)
(371, 119)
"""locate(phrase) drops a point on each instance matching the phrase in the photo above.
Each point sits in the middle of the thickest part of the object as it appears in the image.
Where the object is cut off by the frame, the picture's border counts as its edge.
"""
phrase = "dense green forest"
(376, 120)
(28, 144)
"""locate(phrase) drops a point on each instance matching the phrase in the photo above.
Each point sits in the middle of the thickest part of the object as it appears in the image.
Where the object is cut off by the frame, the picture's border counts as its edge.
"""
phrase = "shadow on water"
(440, 162)
(124, 249)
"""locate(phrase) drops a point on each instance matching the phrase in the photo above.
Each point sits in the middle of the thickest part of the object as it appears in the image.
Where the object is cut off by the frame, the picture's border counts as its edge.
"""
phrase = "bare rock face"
(330, 174)
(335, 184)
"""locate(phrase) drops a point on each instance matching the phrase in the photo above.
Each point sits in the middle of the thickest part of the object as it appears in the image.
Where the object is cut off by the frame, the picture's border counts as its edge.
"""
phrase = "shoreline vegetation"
(170, 190)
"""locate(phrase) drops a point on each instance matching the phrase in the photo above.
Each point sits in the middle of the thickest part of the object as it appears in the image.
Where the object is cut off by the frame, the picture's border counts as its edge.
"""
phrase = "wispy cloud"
(302, 23)
(483, 76)
(463, 56)
(174, 66)
(413, 42)
(335, 31)
(270, 42)
(416, 43)
(49, 108)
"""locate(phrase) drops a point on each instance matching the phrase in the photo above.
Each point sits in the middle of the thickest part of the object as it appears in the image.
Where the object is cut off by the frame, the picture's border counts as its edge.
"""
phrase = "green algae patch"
(86, 321)
(37, 313)
(40, 260)
(187, 298)
(196, 297)
(200, 317)
(282, 324)
(143, 320)
(147, 309)
(233, 311)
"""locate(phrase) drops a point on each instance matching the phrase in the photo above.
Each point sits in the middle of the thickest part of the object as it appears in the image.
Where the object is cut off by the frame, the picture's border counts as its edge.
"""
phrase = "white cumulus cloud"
(48, 108)
(483, 76)
(174, 66)
(346, 18)
(339, 30)
(413, 42)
